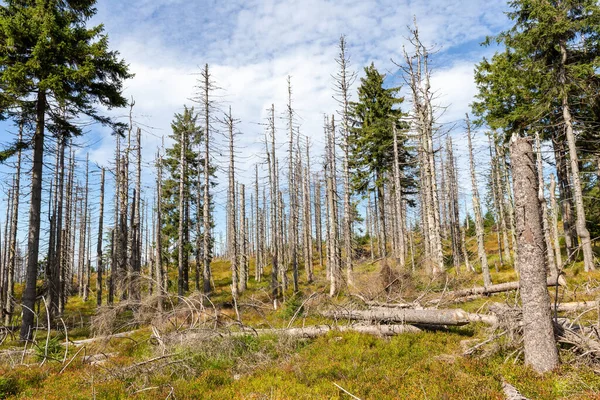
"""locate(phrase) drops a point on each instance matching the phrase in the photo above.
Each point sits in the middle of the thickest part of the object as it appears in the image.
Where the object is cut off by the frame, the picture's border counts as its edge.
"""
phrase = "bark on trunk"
(33, 239)
(538, 333)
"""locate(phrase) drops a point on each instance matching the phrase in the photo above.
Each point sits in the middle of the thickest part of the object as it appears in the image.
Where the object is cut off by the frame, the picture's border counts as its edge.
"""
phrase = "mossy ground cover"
(427, 365)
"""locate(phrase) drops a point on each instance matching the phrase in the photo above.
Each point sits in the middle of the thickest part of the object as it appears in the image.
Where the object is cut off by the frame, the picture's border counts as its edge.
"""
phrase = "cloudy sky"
(253, 45)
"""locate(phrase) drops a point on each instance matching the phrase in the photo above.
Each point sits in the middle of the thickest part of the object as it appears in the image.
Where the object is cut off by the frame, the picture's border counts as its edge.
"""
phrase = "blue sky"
(252, 46)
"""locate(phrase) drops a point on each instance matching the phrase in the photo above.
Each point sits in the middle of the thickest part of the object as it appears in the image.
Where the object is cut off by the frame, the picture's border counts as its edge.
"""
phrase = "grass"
(427, 365)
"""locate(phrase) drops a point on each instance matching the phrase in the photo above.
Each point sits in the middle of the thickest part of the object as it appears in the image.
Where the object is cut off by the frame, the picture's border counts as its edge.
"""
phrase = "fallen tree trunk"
(308, 332)
(499, 288)
(576, 306)
(455, 317)
(103, 338)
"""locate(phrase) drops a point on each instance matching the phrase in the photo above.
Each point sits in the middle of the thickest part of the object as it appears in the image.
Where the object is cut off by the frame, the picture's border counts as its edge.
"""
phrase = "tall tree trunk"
(271, 160)
(160, 275)
(12, 256)
(99, 262)
(551, 264)
(85, 273)
(181, 235)
(243, 276)
(487, 280)
(566, 194)
(582, 231)
(538, 332)
(400, 251)
(207, 241)
(33, 239)
(554, 220)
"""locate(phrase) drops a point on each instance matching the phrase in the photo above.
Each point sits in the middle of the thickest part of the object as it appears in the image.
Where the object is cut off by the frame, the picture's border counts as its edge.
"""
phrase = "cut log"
(455, 317)
(499, 288)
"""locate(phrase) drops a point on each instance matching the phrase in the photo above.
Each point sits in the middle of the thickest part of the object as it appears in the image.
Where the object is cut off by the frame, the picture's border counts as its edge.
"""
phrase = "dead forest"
(389, 255)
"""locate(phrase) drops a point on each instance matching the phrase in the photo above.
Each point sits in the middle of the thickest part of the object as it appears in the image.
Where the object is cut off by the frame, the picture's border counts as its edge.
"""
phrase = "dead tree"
(243, 263)
(487, 280)
(334, 259)
(551, 264)
(182, 194)
(258, 237)
(292, 192)
(307, 224)
(343, 81)
(418, 77)
(554, 221)
(99, 263)
(538, 332)
(400, 248)
(582, 231)
(318, 223)
(14, 226)
(160, 274)
(453, 206)
(272, 162)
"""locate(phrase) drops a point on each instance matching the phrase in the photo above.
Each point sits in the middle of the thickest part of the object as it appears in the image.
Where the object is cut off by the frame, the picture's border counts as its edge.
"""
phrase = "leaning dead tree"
(538, 332)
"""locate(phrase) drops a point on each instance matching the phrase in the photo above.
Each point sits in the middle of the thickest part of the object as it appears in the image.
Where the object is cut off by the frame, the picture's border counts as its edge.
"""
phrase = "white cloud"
(252, 46)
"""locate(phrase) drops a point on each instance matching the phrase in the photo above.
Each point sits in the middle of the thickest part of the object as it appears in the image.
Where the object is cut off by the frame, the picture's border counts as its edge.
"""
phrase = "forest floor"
(183, 354)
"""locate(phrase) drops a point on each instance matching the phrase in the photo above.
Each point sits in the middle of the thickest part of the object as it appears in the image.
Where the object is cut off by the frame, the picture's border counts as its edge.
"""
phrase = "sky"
(252, 46)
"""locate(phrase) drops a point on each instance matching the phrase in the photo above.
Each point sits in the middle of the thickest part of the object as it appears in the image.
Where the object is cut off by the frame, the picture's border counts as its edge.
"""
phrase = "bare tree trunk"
(454, 212)
(400, 251)
(257, 234)
(271, 160)
(487, 280)
(160, 275)
(33, 239)
(333, 245)
(84, 272)
(100, 265)
(14, 226)
(318, 224)
(582, 231)
(497, 201)
(308, 246)
(243, 283)
(501, 203)
(566, 194)
(137, 230)
(554, 219)
(344, 79)
(207, 241)
(292, 193)
(181, 235)
(538, 332)
(551, 264)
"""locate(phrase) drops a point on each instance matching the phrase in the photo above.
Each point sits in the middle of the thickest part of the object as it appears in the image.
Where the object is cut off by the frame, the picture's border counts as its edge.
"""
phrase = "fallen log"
(576, 306)
(103, 338)
(498, 288)
(455, 317)
(308, 332)
(390, 305)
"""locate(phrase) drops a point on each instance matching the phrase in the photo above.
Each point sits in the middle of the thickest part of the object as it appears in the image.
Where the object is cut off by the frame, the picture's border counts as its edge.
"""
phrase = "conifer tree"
(53, 60)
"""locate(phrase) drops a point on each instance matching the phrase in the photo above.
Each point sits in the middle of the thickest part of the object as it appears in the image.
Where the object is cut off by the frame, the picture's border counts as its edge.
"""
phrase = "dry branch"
(511, 393)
